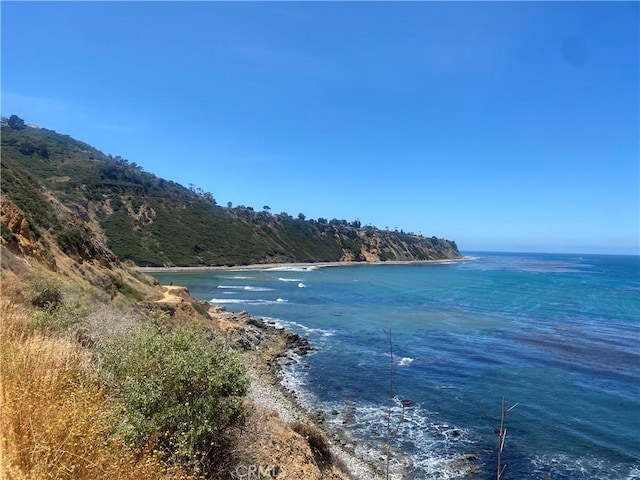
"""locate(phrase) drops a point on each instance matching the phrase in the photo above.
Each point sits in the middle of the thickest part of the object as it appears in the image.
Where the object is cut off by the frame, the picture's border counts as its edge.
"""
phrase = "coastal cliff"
(156, 222)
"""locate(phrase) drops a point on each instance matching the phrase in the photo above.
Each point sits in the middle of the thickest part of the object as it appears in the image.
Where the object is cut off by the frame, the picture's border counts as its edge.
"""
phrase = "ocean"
(558, 336)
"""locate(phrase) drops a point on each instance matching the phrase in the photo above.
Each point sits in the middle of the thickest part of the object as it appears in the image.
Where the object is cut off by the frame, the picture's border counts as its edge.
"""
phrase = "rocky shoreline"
(263, 347)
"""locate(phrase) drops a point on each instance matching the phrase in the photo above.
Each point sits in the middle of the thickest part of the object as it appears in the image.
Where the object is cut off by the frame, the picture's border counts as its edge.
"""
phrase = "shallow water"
(557, 334)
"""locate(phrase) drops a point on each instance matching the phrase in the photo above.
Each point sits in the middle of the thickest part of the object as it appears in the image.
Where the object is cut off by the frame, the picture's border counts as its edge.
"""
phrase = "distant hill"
(155, 222)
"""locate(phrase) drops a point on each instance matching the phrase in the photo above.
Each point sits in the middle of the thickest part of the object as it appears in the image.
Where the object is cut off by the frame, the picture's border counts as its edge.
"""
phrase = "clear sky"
(503, 126)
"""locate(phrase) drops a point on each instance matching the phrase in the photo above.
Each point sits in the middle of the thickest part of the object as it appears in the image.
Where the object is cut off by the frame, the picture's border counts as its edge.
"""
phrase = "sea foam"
(405, 361)
(259, 301)
(248, 288)
(291, 269)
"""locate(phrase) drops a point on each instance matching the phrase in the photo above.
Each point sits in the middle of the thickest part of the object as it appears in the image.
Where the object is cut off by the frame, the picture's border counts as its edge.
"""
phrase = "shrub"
(45, 293)
(55, 418)
(61, 316)
(7, 234)
(201, 309)
(26, 148)
(126, 289)
(182, 392)
(71, 240)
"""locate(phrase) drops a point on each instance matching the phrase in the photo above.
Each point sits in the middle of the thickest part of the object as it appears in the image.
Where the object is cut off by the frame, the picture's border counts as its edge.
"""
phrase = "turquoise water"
(556, 334)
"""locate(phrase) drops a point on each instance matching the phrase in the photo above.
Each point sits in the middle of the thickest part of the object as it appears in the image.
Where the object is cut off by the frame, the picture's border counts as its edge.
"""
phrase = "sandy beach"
(267, 266)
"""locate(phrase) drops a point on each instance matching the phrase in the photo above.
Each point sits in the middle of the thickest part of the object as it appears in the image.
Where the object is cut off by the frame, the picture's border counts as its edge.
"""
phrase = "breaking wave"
(405, 361)
(259, 301)
(247, 288)
(300, 328)
(309, 268)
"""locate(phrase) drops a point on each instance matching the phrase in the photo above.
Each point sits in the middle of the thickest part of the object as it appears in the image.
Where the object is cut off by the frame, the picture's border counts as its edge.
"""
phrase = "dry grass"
(55, 418)
(273, 444)
(317, 442)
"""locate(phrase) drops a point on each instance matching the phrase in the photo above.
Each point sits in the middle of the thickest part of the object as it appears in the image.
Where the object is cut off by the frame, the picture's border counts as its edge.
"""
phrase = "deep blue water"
(557, 334)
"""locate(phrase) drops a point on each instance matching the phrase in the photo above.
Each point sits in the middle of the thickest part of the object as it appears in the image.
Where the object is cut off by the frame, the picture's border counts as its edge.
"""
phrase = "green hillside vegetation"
(155, 222)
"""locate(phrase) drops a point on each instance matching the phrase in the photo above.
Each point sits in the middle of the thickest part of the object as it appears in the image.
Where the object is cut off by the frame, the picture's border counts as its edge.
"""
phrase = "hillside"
(155, 222)
(108, 375)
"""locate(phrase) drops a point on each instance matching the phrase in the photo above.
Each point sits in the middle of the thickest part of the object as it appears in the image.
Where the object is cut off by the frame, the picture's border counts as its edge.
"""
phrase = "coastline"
(273, 397)
(268, 266)
(261, 344)
(265, 348)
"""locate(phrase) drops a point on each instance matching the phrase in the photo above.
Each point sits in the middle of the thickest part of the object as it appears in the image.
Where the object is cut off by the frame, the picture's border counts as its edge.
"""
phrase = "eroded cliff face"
(383, 246)
(19, 236)
(72, 249)
(77, 235)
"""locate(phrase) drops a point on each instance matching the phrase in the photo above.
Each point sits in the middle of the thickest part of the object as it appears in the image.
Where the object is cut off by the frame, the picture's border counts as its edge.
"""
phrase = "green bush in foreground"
(61, 316)
(182, 393)
(45, 293)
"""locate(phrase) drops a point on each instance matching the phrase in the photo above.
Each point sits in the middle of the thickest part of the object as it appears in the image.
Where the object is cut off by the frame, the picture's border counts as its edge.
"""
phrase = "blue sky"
(503, 126)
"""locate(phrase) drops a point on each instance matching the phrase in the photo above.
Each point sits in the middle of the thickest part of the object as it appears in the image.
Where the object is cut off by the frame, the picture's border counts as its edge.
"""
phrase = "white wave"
(291, 269)
(294, 377)
(437, 444)
(248, 288)
(634, 473)
(302, 285)
(289, 279)
(567, 466)
(405, 361)
(227, 300)
(241, 277)
(259, 301)
(302, 329)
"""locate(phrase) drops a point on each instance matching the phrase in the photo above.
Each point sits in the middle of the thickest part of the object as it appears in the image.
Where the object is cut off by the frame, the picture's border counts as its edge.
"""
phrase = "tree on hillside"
(26, 148)
(16, 122)
(209, 197)
(43, 150)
